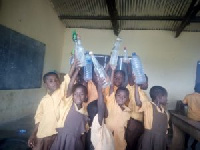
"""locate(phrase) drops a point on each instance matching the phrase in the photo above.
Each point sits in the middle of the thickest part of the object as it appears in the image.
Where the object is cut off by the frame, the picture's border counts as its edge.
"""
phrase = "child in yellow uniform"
(135, 127)
(47, 114)
(101, 136)
(155, 119)
(118, 114)
(73, 122)
(193, 102)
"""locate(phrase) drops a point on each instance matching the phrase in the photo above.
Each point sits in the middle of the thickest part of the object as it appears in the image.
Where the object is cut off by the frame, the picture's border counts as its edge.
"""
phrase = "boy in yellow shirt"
(47, 114)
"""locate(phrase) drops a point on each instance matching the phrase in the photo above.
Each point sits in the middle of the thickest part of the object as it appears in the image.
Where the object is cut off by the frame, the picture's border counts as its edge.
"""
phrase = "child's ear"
(159, 97)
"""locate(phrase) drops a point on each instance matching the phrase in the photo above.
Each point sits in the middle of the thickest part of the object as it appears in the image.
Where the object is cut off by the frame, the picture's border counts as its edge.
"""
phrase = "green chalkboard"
(21, 60)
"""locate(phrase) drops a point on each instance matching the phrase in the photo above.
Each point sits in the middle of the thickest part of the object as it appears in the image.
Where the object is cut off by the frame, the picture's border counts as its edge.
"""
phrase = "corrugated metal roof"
(145, 25)
(152, 7)
(80, 7)
(94, 14)
(96, 24)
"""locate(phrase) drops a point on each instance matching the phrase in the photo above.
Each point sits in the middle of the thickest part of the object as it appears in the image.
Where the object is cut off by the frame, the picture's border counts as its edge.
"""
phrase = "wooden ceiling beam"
(112, 10)
(191, 14)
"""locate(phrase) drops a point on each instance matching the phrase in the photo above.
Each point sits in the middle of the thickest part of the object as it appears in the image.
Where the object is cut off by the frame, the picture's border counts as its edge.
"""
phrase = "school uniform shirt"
(65, 108)
(47, 113)
(106, 91)
(147, 108)
(117, 121)
(92, 93)
(132, 104)
(193, 101)
(101, 136)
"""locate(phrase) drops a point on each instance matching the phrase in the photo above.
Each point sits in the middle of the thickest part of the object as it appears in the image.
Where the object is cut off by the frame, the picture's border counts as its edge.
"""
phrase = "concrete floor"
(10, 136)
(12, 139)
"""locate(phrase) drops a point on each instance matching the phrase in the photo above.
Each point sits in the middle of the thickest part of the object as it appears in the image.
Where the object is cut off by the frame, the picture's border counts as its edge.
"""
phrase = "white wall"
(168, 61)
(38, 20)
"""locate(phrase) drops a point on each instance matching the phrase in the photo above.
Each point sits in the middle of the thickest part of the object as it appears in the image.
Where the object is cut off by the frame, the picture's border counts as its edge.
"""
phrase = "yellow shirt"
(106, 91)
(117, 121)
(193, 101)
(92, 93)
(147, 108)
(47, 114)
(65, 108)
(132, 104)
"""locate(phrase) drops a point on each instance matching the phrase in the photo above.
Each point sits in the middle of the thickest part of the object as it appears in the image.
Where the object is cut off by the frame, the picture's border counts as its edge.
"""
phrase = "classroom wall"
(168, 61)
(36, 19)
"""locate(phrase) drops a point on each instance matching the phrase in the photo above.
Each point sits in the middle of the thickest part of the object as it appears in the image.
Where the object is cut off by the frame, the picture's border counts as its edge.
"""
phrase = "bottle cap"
(119, 39)
(91, 53)
(74, 36)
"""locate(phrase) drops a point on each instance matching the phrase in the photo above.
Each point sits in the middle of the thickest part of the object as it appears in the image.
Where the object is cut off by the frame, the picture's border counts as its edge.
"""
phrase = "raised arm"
(73, 67)
(136, 93)
(72, 81)
(101, 103)
(130, 77)
(112, 81)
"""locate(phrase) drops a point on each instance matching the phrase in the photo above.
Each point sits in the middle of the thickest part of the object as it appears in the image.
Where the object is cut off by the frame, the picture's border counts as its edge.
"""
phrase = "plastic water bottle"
(88, 67)
(79, 50)
(137, 69)
(115, 52)
(125, 57)
(100, 72)
(71, 59)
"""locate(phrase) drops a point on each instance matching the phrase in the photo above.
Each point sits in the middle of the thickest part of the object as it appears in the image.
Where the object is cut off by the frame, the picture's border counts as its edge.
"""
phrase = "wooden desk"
(181, 125)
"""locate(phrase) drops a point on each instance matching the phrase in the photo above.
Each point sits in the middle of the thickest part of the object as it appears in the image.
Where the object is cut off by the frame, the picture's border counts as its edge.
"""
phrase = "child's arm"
(32, 138)
(101, 103)
(136, 93)
(111, 80)
(130, 77)
(83, 139)
(137, 97)
(71, 83)
(73, 67)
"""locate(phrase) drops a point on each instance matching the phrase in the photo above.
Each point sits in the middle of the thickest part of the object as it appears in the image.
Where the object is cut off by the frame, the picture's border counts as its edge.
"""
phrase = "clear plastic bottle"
(115, 52)
(79, 52)
(100, 72)
(137, 69)
(125, 57)
(71, 59)
(88, 67)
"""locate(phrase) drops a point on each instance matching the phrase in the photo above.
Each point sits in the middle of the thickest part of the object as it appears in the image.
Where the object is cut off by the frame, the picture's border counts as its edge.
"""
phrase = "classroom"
(168, 60)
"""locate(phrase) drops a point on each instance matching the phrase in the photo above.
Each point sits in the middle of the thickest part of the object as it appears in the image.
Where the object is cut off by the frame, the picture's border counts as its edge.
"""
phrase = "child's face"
(121, 97)
(163, 100)
(79, 96)
(118, 79)
(52, 83)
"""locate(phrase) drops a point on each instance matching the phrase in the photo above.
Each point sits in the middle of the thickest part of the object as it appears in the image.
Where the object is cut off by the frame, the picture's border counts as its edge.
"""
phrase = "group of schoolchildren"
(79, 115)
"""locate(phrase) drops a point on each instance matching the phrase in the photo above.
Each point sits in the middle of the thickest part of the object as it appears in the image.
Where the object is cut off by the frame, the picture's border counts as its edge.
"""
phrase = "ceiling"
(172, 15)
